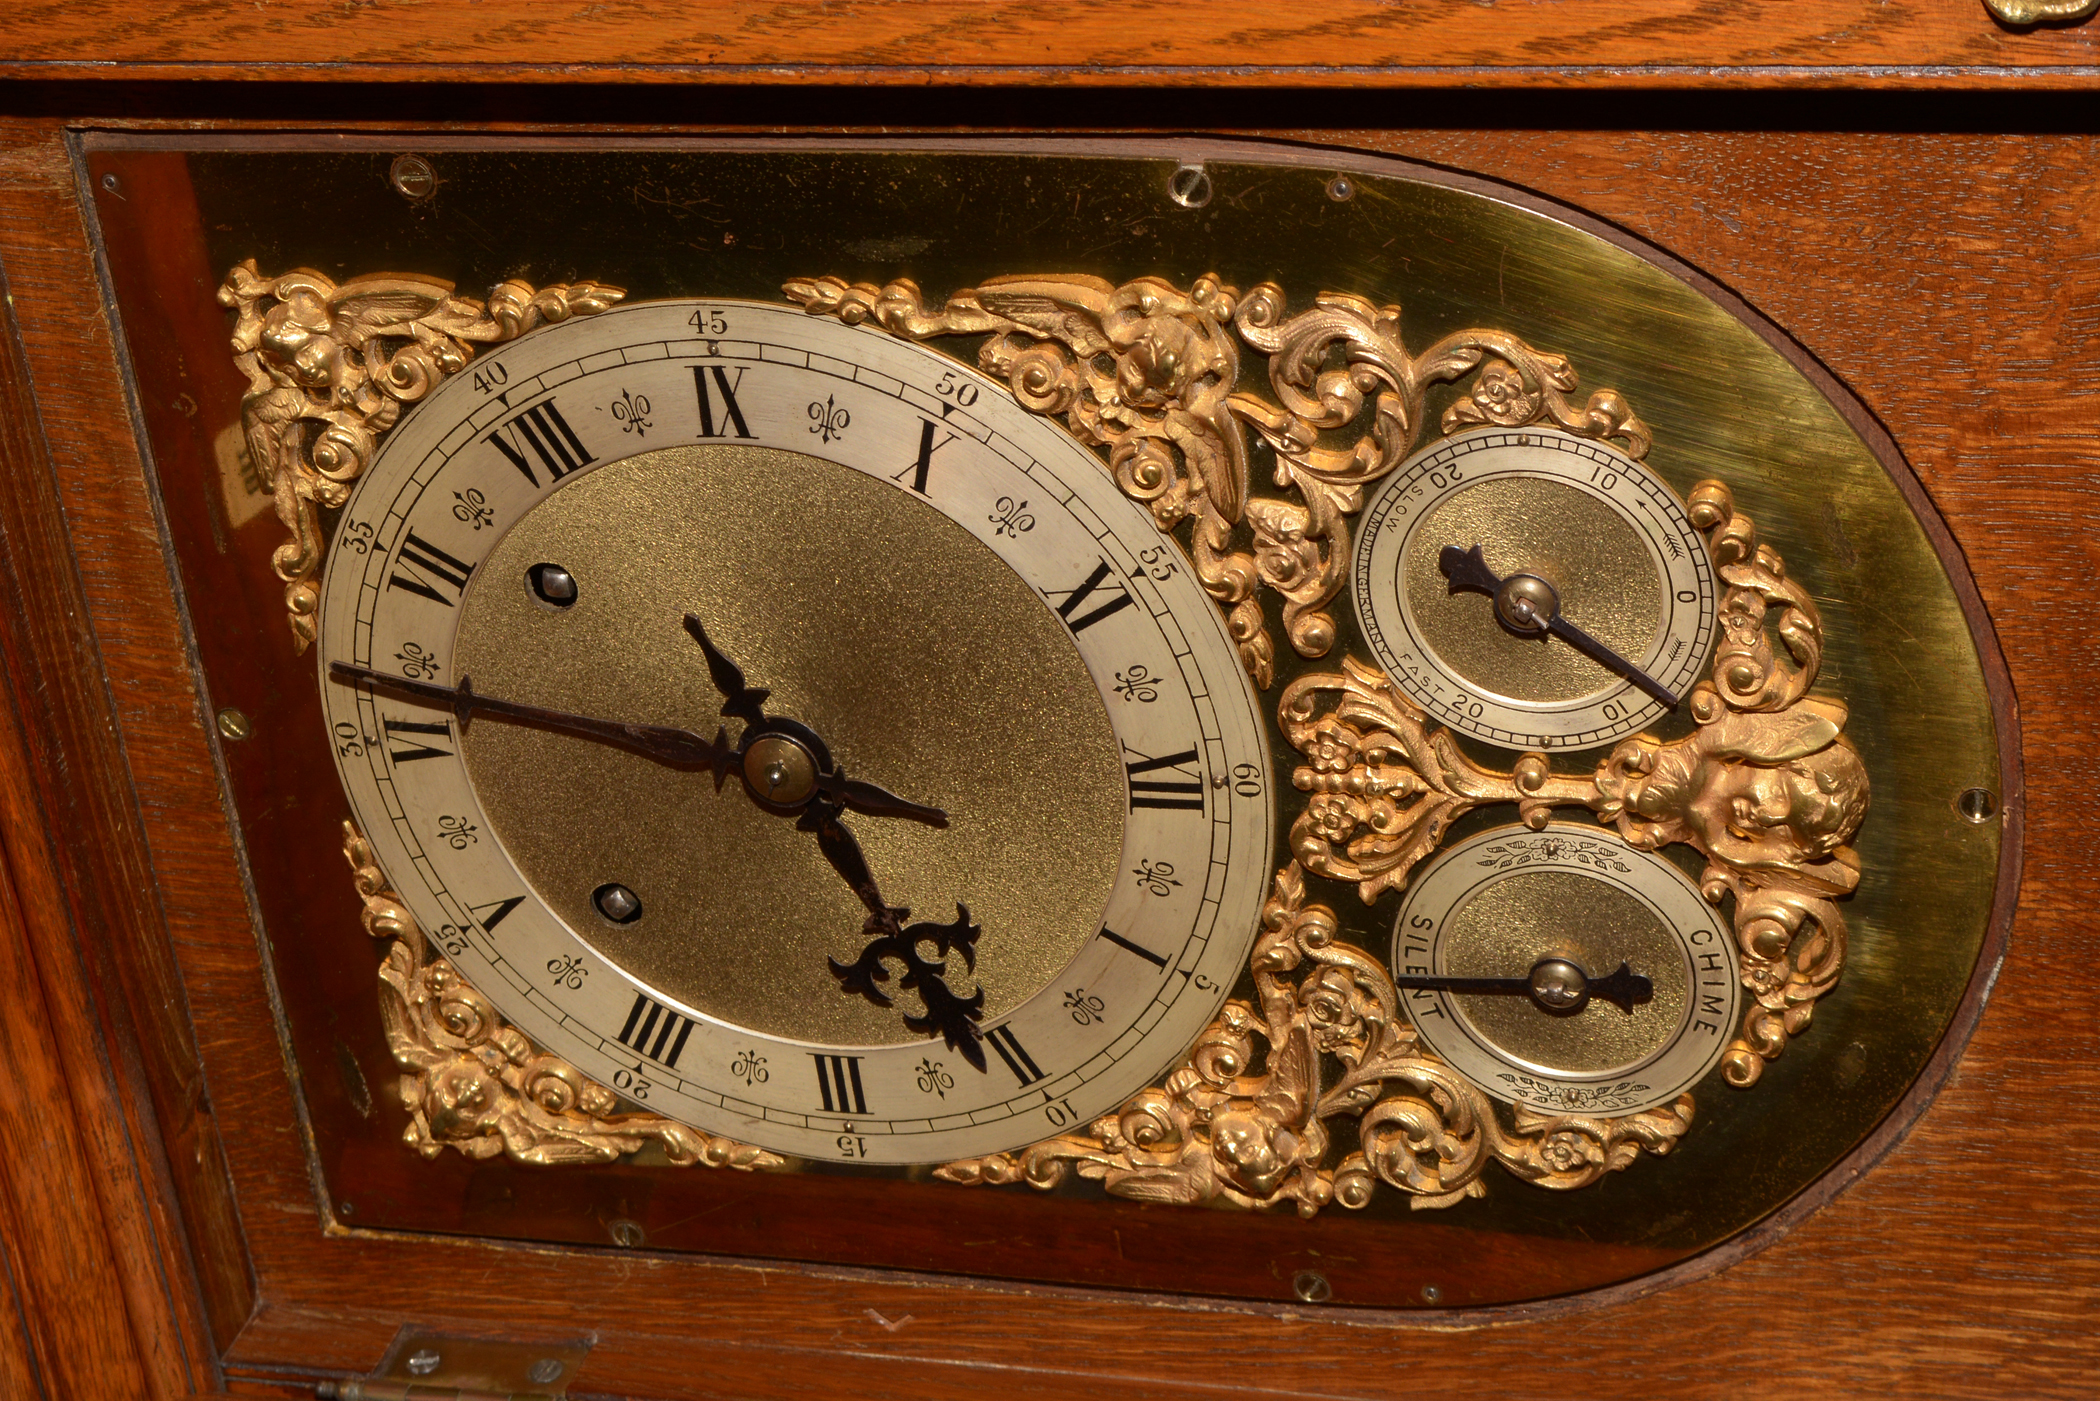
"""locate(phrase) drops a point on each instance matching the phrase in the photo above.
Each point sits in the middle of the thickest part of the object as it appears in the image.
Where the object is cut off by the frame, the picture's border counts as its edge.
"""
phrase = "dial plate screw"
(617, 903)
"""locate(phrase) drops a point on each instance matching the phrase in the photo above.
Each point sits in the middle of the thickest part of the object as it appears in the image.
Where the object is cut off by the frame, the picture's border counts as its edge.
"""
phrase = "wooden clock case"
(1935, 247)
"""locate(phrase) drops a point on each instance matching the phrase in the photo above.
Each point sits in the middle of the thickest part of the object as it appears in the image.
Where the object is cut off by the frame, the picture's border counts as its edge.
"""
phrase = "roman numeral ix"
(542, 431)
(732, 414)
(655, 1031)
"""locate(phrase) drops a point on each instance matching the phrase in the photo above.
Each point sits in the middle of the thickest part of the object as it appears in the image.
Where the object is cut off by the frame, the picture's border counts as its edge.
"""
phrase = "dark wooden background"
(1937, 246)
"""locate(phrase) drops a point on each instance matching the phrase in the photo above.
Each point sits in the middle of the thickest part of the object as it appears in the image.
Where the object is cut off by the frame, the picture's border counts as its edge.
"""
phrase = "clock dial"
(801, 554)
(1523, 907)
(1534, 589)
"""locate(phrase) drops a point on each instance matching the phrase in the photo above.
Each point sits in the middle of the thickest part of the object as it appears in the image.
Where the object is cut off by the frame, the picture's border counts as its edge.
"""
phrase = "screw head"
(345, 1209)
(1976, 805)
(1312, 1287)
(424, 1362)
(234, 724)
(1341, 188)
(552, 585)
(545, 1370)
(412, 178)
(1432, 1295)
(1558, 985)
(109, 182)
(617, 903)
(1526, 603)
(625, 1233)
(1189, 186)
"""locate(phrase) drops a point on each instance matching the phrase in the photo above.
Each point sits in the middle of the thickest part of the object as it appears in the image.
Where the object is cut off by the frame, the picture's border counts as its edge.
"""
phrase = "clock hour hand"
(739, 701)
(1527, 604)
(953, 1018)
(664, 743)
(1556, 985)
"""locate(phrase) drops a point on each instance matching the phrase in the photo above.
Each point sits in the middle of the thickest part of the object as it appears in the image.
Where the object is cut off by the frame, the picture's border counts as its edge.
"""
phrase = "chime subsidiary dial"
(1565, 970)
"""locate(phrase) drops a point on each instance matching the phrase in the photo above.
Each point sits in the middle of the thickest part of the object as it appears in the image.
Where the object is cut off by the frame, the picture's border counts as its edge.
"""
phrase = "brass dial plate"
(1606, 532)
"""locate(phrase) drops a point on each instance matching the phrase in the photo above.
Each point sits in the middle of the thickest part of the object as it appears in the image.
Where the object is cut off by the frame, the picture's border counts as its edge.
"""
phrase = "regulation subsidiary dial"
(1534, 589)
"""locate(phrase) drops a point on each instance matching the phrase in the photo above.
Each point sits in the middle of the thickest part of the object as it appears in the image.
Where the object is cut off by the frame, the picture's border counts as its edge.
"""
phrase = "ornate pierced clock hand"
(822, 791)
(954, 1018)
(1556, 985)
(1525, 603)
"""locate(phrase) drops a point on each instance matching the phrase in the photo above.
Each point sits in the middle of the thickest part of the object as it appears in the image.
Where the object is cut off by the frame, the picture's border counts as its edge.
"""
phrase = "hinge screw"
(412, 178)
(424, 1362)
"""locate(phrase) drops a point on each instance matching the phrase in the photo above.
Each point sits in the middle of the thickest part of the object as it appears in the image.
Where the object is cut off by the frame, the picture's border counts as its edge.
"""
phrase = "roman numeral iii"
(838, 1082)
(543, 432)
(655, 1031)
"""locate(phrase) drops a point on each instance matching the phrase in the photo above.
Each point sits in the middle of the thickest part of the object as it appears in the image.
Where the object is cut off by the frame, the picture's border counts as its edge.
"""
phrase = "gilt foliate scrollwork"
(1766, 787)
(475, 1083)
(1244, 1120)
(1149, 372)
(331, 367)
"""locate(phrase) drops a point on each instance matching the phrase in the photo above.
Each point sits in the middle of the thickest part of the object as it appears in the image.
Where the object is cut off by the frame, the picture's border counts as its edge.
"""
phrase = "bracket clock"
(1107, 720)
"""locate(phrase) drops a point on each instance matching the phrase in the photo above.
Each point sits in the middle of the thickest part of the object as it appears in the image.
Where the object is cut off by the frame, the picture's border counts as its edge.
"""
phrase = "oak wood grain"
(1952, 281)
(62, 1228)
(1350, 43)
(103, 877)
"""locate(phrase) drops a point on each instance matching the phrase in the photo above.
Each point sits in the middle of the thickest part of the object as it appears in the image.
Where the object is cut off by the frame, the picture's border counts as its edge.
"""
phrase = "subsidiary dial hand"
(1556, 985)
(1528, 604)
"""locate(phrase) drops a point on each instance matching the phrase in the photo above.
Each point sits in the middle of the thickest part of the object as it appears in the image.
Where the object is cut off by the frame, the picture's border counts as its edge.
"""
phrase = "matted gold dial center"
(924, 662)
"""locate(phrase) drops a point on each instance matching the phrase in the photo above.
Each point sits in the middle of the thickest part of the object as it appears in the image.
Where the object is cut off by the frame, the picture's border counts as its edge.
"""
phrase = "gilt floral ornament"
(474, 1083)
(332, 367)
(1149, 372)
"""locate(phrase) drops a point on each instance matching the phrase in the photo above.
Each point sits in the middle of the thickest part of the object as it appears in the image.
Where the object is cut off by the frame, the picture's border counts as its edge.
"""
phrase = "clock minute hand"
(663, 743)
(1527, 603)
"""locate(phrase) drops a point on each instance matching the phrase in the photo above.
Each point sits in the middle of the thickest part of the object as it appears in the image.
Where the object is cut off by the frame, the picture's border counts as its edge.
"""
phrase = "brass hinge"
(427, 1366)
